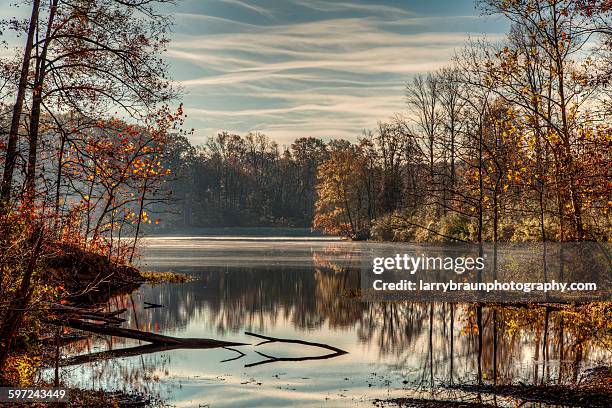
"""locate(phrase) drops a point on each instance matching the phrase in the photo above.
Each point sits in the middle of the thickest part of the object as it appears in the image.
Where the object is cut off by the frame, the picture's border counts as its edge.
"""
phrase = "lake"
(304, 288)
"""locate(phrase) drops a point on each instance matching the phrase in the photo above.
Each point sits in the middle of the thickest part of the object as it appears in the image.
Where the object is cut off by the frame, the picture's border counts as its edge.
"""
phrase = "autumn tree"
(343, 201)
(80, 142)
(93, 58)
(553, 34)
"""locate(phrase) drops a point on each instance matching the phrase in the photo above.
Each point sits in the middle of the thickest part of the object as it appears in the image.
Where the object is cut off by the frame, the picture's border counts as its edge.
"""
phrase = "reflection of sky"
(295, 68)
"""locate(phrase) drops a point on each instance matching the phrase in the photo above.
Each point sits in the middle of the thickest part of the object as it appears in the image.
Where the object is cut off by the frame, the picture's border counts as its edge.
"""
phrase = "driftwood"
(111, 354)
(153, 338)
(130, 352)
(271, 359)
(240, 354)
(88, 314)
(164, 343)
(75, 318)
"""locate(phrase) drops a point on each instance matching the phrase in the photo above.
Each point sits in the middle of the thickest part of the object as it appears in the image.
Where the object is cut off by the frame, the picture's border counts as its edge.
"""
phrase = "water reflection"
(307, 290)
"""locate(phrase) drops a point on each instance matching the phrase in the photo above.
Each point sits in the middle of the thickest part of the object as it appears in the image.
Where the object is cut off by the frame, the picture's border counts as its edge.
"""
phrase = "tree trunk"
(58, 183)
(11, 150)
(140, 210)
(41, 68)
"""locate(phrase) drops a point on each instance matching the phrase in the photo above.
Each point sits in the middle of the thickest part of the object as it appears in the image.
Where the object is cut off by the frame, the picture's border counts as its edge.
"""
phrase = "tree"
(92, 58)
(423, 97)
(553, 34)
(392, 142)
(11, 146)
(308, 153)
(342, 199)
(452, 105)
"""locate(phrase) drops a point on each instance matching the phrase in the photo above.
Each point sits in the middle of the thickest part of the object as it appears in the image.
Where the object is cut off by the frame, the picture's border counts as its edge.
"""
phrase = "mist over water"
(304, 288)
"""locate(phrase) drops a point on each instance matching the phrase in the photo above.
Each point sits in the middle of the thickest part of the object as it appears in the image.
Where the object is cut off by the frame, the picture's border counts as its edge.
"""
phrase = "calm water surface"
(303, 288)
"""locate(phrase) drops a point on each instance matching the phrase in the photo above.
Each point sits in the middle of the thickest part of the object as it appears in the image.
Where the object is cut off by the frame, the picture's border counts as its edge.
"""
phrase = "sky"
(301, 68)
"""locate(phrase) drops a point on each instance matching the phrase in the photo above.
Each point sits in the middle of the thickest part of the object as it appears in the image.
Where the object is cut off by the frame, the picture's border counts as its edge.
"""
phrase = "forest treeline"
(511, 142)
(236, 181)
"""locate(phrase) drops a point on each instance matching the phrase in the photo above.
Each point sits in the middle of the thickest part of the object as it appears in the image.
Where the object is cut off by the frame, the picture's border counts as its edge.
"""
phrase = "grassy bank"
(166, 277)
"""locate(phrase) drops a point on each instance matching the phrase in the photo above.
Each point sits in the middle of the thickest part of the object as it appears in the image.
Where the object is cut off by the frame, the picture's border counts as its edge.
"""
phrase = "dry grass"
(166, 277)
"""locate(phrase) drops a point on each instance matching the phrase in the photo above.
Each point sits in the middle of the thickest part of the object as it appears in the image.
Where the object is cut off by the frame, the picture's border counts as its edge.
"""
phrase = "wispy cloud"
(341, 6)
(250, 7)
(333, 72)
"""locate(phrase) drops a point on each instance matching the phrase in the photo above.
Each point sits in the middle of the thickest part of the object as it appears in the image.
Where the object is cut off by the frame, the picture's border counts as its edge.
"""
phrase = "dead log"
(269, 339)
(153, 338)
(130, 352)
(88, 314)
(240, 354)
(272, 359)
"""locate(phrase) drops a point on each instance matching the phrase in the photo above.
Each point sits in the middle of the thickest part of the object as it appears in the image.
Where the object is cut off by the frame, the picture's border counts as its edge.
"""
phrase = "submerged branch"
(269, 339)
(240, 354)
(153, 338)
(272, 359)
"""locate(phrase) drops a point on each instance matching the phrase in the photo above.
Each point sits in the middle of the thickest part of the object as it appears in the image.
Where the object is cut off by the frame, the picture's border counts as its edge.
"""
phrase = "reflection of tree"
(439, 340)
(556, 344)
(393, 326)
(140, 374)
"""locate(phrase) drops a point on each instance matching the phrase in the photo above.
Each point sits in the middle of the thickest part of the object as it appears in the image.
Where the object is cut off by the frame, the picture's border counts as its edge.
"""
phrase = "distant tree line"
(236, 181)
(511, 141)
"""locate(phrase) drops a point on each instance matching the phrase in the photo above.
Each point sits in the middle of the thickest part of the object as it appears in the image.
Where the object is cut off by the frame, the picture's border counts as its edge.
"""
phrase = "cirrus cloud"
(332, 70)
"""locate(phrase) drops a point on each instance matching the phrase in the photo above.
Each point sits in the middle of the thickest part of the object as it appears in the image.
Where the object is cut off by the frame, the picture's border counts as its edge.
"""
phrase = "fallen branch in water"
(131, 352)
(87, 313)
(161, 342)
(271, 359)
(153, 338)
(240, 354)
(269, 339)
